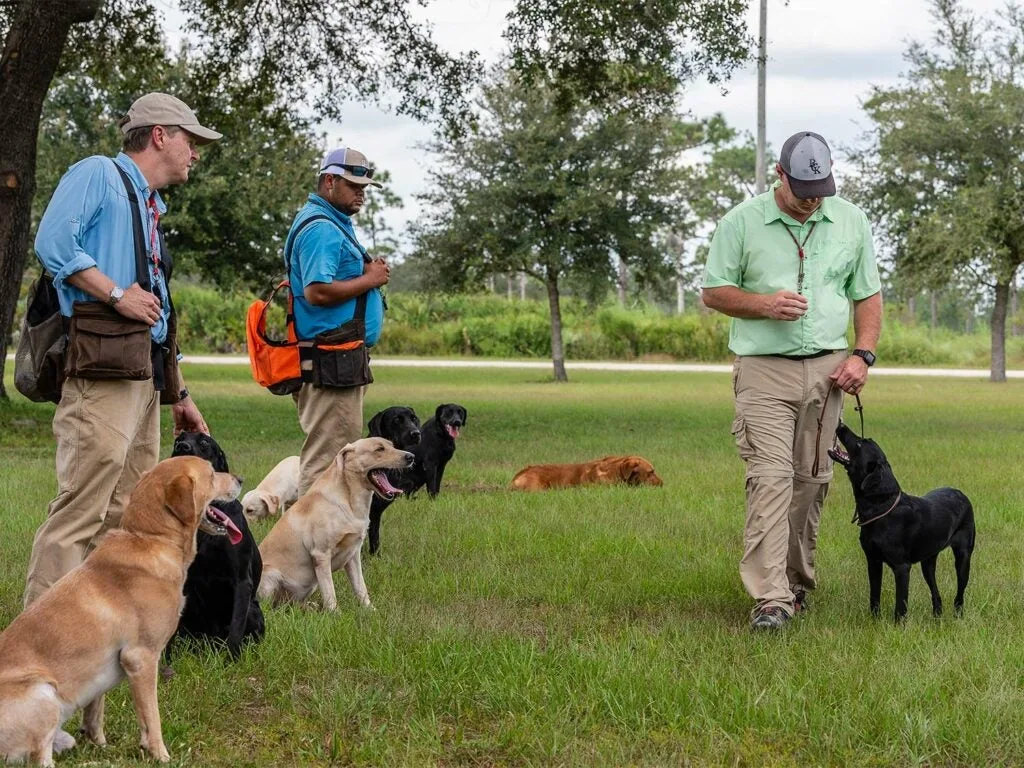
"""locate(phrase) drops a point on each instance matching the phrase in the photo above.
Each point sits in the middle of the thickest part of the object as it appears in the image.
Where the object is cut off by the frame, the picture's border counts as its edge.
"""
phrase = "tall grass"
(602, 626)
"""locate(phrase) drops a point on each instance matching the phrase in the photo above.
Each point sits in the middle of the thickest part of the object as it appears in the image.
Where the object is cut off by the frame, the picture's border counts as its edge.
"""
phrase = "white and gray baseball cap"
(807, 161)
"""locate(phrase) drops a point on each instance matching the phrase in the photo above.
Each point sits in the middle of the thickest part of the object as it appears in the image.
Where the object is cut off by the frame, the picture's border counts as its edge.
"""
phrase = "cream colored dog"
(324, 530)
(109, 618)
(276, 492)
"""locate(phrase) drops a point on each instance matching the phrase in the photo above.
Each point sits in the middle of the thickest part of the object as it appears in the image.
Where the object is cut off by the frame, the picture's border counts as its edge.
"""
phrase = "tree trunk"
(1014, 307)
(522, 286)
(557, 353)
(623, 281)
(30, 57)
(999, 332)
(508, 286)
(934, 303)
(912, 309)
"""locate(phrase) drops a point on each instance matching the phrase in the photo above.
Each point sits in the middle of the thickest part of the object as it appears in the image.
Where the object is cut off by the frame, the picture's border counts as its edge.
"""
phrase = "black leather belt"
(820, 353)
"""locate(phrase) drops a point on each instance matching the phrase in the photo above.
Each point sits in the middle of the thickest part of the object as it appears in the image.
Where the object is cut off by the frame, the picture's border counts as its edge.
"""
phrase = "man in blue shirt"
(328, 270)
(108, 430)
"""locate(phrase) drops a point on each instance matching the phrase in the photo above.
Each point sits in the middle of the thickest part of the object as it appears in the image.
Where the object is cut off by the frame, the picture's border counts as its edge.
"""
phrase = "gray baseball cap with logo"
(807, 161)
(164, 109)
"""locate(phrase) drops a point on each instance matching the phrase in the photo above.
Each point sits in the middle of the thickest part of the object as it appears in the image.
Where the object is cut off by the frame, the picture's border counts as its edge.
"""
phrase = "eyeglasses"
(356, 170)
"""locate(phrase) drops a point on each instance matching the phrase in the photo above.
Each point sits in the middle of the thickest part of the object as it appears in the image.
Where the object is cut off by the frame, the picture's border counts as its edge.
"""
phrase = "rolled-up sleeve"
(864, 281)
(724, 264)
(72, 209)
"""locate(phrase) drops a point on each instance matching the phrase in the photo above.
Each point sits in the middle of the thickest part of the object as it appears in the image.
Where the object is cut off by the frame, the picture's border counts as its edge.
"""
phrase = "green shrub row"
(492, 326)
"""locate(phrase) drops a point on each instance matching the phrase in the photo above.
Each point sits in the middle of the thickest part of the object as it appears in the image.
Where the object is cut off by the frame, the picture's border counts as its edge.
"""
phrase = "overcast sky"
(824, 55)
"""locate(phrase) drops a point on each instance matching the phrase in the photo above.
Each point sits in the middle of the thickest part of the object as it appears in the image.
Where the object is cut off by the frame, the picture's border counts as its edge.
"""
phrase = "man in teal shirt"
(328, 270)
(786, 266)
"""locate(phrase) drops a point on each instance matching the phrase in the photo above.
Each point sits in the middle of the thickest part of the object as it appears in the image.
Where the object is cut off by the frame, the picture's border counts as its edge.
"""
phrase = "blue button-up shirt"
(88, 223)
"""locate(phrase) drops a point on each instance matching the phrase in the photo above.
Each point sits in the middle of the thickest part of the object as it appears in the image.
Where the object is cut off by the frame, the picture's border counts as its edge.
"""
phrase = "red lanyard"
(800, 253)
(153, 248)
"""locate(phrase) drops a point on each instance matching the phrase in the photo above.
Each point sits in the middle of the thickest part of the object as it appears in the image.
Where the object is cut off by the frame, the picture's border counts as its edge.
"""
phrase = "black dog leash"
(821, 425)
(879, 517)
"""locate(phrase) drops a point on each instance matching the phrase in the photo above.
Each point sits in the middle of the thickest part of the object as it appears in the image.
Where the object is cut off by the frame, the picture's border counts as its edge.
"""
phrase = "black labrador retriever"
(899, 529)
(434, 450)
(220, 589)
(401, 426)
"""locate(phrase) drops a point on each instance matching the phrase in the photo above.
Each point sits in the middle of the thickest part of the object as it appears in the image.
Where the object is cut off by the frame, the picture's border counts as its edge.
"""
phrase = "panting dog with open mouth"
(324, 530)
(898, 529)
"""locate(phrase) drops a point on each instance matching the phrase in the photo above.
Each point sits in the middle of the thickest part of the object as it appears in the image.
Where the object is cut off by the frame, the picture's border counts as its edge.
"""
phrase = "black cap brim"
(807, 190)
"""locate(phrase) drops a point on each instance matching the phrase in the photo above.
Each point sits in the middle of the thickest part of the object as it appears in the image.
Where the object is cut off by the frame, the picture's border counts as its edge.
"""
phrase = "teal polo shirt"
(323, 253)
(751, 250)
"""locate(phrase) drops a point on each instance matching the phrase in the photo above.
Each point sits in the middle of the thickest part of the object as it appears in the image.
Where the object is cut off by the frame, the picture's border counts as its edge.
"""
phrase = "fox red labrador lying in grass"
(631, 470)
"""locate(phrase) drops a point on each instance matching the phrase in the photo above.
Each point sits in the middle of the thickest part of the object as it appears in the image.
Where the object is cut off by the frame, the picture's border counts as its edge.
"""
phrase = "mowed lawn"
(602, 626)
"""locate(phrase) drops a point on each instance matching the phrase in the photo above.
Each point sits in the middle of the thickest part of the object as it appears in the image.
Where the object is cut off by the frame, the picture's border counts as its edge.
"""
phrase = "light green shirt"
(751, 250)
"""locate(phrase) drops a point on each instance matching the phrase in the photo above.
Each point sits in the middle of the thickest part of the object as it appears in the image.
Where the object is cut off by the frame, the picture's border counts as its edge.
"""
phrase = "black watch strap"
(866, 355)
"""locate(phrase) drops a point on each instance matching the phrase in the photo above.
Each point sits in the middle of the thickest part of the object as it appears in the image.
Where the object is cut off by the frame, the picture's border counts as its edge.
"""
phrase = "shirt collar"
(140, 182)
(342, 218)
(772, 212)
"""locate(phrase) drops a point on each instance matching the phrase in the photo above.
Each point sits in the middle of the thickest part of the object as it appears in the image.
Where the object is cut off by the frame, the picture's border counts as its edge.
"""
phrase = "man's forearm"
(93, 282)
(867, 322)
(329, 294)
(735, 302)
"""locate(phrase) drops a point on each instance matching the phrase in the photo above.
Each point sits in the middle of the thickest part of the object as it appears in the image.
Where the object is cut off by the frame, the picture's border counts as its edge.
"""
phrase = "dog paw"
(97, 739)
(62, 740)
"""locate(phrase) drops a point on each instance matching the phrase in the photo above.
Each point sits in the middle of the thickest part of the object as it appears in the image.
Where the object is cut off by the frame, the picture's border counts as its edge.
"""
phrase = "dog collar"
(879, 517)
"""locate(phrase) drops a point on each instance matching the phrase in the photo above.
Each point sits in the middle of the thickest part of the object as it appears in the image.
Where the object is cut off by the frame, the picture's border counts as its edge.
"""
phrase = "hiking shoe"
(769, 619)
(800, 601)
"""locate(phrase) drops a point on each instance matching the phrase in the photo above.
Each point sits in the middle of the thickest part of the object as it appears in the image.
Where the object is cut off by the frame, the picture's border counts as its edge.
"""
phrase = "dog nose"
(183, 449)
(410, 459)
(414, 437)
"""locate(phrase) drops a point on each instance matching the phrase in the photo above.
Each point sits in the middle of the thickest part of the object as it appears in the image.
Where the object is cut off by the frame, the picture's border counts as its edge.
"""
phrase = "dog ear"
(880, 482)
(273, 502)
(373, 428)
(465, 416)
(179, 498)
(628, 470)
(344, 455)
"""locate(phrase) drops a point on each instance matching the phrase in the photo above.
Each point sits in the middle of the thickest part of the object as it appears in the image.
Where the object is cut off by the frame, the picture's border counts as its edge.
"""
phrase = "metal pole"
(762, 59)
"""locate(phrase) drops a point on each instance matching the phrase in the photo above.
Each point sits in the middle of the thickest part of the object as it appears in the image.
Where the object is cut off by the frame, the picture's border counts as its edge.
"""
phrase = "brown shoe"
(769, 619)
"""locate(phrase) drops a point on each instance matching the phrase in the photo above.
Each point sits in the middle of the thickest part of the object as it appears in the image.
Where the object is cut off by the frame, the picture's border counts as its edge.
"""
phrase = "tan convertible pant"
(108, 434)
(331, 418)
(778, 402)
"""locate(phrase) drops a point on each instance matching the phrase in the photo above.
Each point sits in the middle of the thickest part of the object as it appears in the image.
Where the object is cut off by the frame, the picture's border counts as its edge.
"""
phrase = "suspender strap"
(141, 272)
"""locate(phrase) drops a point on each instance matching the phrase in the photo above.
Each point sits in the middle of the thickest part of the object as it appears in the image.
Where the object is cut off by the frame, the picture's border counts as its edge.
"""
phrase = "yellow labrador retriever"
(324, 530)
(276, 492)
(109, 618)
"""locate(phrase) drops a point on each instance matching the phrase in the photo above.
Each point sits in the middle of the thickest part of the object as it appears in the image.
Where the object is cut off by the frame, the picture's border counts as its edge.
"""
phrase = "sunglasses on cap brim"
(359, 171)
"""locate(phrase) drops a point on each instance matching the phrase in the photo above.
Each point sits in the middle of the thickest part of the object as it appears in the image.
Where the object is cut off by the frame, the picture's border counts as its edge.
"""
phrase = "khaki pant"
(331, 419)
(778, 403)
(108, 434)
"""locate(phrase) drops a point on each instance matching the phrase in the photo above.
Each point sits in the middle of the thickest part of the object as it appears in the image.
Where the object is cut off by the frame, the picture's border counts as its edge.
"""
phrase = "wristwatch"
(866, 355)
(116, 294)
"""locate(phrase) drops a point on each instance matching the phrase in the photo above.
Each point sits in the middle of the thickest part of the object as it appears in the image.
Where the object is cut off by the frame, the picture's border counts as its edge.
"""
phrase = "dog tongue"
(234, 535)
(385, 484)
(453, 431)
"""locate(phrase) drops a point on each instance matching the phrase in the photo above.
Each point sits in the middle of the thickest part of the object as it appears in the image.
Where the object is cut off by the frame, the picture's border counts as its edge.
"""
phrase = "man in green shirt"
(786, 266)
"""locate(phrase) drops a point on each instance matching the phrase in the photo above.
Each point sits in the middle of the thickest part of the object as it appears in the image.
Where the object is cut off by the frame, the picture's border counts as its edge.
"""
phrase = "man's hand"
(139, 304)
(784, 305)
(378, 273)
(851, 375)
(187, 417)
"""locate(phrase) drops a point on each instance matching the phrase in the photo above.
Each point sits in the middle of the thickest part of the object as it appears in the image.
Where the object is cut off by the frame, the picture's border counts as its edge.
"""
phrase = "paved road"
(960, 373)
(608, 366)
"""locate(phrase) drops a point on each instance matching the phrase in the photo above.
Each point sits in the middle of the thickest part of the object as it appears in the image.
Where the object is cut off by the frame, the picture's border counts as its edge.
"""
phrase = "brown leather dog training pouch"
(103, 344)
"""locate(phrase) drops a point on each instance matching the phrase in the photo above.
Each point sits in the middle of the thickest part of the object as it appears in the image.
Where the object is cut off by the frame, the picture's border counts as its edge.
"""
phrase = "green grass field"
(601, 626)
